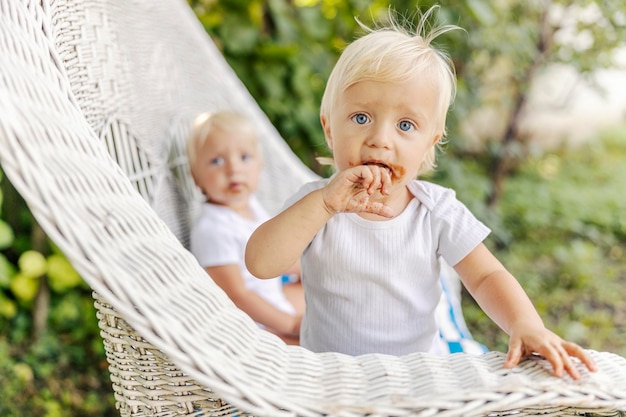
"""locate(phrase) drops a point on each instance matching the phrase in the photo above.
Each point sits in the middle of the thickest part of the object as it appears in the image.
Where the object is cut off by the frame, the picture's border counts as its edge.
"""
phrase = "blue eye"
(406, 126)
(217, 161)
(246, 157)
(360, 119)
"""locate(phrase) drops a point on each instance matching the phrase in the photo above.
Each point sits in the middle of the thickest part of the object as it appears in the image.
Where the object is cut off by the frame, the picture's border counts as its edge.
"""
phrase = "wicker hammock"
(95, 101)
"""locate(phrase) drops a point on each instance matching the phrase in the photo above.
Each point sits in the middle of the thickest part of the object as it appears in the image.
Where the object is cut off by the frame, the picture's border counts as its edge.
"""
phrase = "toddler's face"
(390, 124)
(228, 168)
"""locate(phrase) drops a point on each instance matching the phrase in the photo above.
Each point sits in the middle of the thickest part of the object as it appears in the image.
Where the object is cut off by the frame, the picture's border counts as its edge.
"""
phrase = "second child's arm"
(229, 278)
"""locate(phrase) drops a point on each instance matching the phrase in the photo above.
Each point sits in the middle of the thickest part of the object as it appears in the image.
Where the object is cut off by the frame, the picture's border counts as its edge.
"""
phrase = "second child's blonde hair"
(395, 52)
(206, 123)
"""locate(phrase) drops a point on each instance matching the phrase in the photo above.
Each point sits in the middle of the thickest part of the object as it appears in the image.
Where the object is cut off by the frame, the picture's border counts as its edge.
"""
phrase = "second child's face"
(228, 168)
(390, 124)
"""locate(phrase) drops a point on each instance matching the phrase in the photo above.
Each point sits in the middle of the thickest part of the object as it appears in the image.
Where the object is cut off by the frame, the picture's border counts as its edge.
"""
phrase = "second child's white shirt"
(219, 237)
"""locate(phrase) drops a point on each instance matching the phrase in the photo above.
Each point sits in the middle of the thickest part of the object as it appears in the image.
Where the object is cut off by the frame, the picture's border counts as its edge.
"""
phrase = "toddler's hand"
(356, 189)
(526, 341)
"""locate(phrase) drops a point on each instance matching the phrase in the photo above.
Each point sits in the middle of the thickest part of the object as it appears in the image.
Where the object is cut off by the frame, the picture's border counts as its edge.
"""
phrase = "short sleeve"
(304, 190)
(214, 244)
(457, 231)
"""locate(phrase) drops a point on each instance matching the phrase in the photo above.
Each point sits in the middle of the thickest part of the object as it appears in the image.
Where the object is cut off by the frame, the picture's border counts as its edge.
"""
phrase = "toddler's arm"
(261, 311)
(278, 243)
(500, 295)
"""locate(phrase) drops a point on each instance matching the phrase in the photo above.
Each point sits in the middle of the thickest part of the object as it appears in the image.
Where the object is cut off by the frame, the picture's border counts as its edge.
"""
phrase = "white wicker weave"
(83, 80)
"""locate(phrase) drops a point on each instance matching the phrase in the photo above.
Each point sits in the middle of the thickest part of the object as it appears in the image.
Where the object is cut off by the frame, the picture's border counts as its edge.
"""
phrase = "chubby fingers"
(353, 189)
(371, 180)
(561, 359)
(376, 178)
(574, 350)
(379, 209)
(559, 356)
(514, 355)
(556, 355)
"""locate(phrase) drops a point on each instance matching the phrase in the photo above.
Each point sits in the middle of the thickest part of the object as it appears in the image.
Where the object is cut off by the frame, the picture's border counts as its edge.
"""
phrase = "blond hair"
(206, 123)
(395, 52)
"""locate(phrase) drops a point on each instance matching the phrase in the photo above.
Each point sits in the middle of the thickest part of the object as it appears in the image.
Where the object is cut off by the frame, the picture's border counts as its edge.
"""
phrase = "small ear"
(326, 127)
(437, 137)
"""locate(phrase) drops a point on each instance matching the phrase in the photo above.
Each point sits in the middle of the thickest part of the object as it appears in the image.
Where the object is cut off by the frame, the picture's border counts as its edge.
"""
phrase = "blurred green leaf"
(239, 37)
(32, 264)
(482, 12)
(8, 308)
(61, 274)
(6, 235)
(24, 288)
(7, 270)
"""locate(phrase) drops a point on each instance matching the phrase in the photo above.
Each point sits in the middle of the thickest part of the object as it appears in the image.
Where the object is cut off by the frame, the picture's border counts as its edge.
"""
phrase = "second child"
(225, 162)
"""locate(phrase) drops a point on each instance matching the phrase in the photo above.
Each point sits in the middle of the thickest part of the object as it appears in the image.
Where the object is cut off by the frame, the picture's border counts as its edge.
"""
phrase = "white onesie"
(219, 237)
(373, 286)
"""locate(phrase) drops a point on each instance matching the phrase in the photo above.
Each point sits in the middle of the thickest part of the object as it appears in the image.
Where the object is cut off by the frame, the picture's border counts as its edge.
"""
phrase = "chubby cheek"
(213, 184)
(254, 181)
(342, 163)
(397, 172)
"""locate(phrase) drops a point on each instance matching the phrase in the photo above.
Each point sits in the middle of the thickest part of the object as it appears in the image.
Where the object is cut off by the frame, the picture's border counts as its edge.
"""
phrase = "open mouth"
(380, 164)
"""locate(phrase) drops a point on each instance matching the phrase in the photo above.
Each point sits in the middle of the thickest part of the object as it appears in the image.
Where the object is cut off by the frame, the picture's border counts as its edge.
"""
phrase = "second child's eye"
(246, 157)
(217, 161)
(360, 119)
(406, 126)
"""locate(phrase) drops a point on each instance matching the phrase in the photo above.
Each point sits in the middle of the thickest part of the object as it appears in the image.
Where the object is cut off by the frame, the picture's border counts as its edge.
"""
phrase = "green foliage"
(52, 378)
(6, 234)
(56, 368)
(565, 215)
(507, 39)
(510, 45)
